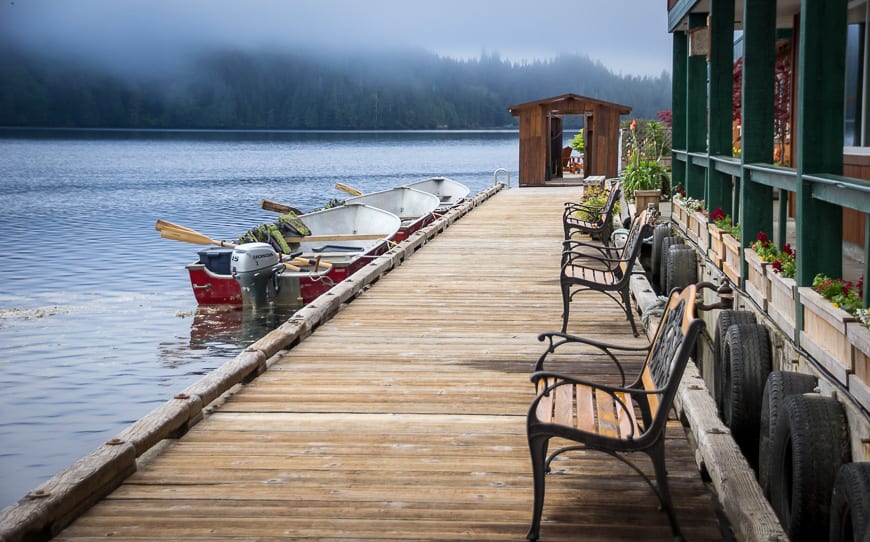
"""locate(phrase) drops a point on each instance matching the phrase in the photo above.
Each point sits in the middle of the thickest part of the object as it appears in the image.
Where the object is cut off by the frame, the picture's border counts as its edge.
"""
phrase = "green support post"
(820, 112)
(759, 56)
(696, 113)
(719, 187)
(678, 105)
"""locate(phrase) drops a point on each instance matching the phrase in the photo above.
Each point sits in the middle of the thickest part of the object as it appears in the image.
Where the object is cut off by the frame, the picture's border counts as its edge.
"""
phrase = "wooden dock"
(403, 417)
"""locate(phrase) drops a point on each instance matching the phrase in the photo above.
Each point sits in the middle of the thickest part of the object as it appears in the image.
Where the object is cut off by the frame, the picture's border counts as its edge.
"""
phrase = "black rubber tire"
(779, 385)
(850, 504)
(682, 268)
(667, 243)
(747, 364)
(810, 444)
(659, 233)
(726, 319)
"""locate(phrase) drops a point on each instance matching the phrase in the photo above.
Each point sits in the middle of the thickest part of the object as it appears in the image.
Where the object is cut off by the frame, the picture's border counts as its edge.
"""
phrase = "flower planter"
(731, 263)
(644, 198)
(698, 229)
(859, 382)
(781, 303)
(716, 252)
(757, 281)
(824, 334)
(680, 214)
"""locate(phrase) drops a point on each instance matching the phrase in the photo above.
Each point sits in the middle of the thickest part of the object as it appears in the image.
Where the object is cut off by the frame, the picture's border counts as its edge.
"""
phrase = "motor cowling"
(255, 266)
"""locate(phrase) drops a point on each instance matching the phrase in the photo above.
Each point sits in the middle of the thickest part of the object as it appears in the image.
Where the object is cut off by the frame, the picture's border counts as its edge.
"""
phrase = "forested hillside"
(386, 90)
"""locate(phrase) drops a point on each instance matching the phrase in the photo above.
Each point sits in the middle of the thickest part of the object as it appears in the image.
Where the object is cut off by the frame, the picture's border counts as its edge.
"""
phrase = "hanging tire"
(682, 268)
(779, 385)
(659, 233)
(667, 243)
(747, 363)
(850, 504)
(726, 319)
(810, 444)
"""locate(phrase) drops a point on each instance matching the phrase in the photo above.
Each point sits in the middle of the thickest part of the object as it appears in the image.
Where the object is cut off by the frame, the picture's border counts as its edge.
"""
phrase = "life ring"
(659, 233)
(779, 385)
(726, 319)
(747, 362)
(682, 269)
(810, 444)
(850, 504)
(667, 242)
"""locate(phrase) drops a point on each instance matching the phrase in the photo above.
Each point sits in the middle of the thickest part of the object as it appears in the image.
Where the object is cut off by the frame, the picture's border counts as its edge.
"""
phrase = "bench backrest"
(669, 353)
(641, 228)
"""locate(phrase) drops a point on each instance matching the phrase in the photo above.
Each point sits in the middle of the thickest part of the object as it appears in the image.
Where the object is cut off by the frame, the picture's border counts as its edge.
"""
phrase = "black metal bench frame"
(587, 266)
(616, 419)
(603, 226)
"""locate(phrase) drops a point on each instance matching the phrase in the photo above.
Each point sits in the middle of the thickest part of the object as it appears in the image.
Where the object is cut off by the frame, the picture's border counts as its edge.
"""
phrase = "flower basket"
(781, 303)
(757, 281)
(731, 263)
(859, 382)
(698, 229)
(680, 214)
(824, 334)
(716, 252)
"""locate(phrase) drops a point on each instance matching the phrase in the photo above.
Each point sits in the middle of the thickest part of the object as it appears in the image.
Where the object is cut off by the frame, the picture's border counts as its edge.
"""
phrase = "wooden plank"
(404, 415)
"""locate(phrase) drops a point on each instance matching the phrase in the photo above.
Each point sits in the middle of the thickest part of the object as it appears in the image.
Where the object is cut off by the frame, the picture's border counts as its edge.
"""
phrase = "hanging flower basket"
(731, 263)
(824, 334)
(757, 280)
(781, 303)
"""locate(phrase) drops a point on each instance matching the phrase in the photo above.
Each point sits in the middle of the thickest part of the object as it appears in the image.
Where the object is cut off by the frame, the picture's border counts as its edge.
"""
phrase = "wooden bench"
(602, 225)
(615, 419)
(586, 266)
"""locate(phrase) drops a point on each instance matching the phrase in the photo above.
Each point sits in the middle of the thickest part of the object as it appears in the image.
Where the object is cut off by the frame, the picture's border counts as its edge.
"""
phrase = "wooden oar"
(168, 230)
(349, 189)
(276, 207)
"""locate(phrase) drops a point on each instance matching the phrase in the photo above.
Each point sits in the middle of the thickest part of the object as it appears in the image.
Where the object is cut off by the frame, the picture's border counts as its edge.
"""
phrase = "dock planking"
(403, 417)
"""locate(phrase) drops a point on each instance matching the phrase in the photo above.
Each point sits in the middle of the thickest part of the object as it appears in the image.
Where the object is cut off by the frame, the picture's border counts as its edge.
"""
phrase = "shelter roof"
(569, 104)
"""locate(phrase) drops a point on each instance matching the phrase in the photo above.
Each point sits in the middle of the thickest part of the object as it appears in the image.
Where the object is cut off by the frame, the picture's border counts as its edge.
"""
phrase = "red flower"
(788, 250)
(762, 238)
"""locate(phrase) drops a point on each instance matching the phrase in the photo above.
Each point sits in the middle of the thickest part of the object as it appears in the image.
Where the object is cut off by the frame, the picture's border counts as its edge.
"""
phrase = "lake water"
(98, 324)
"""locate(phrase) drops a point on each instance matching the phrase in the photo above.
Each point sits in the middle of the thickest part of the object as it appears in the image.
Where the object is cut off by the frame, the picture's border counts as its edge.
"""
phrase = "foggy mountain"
(258, 89)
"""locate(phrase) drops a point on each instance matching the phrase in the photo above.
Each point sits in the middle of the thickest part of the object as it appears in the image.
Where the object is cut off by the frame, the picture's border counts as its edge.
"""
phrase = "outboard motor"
(255, 266)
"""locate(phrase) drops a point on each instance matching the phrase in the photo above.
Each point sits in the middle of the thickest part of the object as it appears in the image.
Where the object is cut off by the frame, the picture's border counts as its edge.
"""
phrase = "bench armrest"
(557, 339)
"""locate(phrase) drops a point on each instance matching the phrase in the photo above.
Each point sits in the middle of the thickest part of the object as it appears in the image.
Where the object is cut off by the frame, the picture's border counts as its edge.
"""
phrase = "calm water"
(98, 324)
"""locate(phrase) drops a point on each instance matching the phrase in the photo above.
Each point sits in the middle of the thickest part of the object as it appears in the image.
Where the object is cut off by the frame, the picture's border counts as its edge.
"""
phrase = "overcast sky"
(627, 36)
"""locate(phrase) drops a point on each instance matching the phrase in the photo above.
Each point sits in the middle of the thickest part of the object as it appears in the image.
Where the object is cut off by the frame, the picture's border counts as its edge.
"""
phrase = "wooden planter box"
(716, 251)
(680, 214)
(698, 229)
(757, 281)
(824, 334)
(731, 263)
(643, 198)
(781, 304)
(859, 382)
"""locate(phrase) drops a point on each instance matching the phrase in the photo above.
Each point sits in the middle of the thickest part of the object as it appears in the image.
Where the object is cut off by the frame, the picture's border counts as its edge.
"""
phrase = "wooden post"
(678, 105)
(720, 110)
(696, 113)
(820, 111)
(759, 56)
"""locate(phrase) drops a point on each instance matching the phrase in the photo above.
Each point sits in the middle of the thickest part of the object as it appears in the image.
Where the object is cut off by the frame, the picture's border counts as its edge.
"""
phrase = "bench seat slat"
(585, 409)
(563, 413)
(606, 410)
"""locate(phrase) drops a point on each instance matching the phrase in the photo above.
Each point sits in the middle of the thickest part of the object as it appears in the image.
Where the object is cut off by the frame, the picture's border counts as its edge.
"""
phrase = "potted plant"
(828, 307)
(718, 225)
(645, 178)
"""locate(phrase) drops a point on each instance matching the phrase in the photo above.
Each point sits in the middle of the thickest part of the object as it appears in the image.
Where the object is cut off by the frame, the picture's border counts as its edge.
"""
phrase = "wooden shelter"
(541, 136)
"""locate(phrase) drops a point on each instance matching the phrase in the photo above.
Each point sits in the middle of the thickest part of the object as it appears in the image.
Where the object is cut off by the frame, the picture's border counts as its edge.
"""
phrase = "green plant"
(577, 143)
(644, 171)
(781, 261)
(843, 294)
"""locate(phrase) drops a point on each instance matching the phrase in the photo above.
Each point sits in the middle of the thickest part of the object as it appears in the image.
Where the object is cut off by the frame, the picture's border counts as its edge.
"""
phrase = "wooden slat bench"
(615, 419)
(602, 226)
(587, 266)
